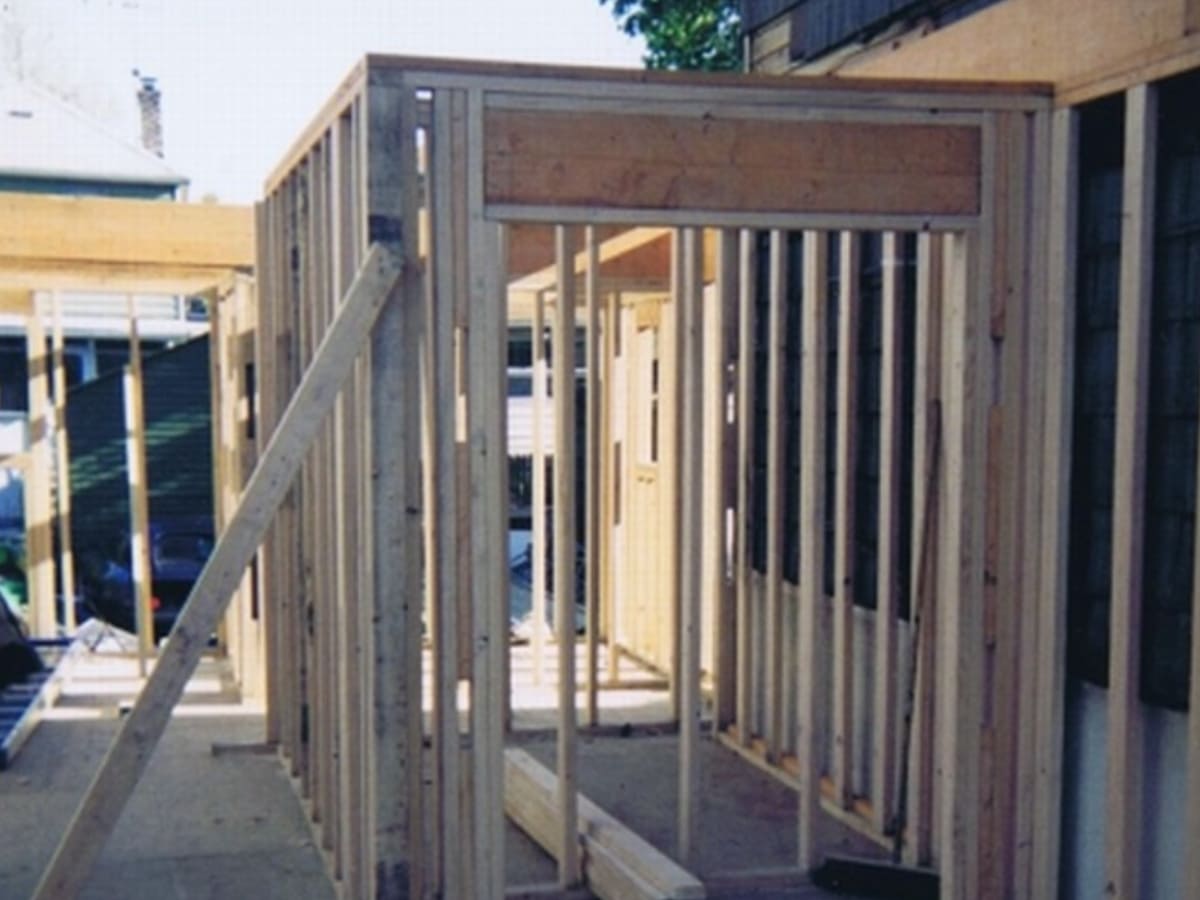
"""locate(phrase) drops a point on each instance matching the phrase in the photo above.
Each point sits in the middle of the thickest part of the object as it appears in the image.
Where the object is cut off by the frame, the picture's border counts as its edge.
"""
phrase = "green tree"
(683, 34)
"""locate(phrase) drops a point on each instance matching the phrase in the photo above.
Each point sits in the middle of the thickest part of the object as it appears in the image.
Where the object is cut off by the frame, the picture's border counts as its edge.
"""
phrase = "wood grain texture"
(678, 162)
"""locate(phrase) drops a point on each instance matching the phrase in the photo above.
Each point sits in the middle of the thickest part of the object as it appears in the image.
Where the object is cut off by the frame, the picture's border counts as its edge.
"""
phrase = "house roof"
(43, 137)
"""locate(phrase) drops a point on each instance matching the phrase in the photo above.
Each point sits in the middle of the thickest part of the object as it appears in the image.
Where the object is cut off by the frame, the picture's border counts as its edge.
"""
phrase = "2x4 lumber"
(691, 300)
(1052, 612)
(62, 456)
(665, 628)
(390, 209)
(142, 729)
(592, 473)
(608, 481)
(618, 864)
(38, 524)
(564, 557)
(37, 228)
(720, 350)
(441, 407)
(744, 487)
(844, 541)
(891, 478)
(776, 337)
(538, 513)
(1124, 793)
(961, 558)
(917, 819)
(811, 650)
(487, 389)
(709, 162)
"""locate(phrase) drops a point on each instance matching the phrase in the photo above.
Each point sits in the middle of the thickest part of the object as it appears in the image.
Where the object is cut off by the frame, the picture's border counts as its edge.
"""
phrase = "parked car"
(179, 548)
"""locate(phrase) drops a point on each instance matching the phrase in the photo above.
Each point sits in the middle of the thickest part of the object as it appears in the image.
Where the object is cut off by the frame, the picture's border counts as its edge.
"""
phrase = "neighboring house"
(1102, 64)
(49, 147)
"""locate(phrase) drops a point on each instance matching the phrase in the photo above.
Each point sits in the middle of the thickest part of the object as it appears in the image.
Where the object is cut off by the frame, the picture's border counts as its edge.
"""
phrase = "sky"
(241, 78)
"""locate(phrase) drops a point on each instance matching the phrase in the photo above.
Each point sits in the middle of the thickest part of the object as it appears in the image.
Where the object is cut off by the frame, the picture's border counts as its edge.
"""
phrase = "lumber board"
(1124, 791)
(812, 691)
(961, 549)
(390, 208)
(710, 162)
(442, 511)
(691, 543)
(101, 231)
(564, 557)
(38, 513)
(62, 469)
(885, 696)
(486, 386)
(845, 526)
(618, 864)
(720, 350)
(592, 485)
(538, 511)
(744, 487)
(773, 619)
(142, 729)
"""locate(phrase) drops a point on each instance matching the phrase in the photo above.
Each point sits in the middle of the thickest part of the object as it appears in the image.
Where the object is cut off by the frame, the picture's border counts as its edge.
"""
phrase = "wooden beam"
(486, 403)
(564, 557)
(720, 350)
(773, 620)
(844, 544)
(1123, 835)
(443, 503)
(46, 229)
(810, 643)
(691, 548)
(139, 493)
(742, 522)
(538, 512)
(618, 864)
(142, 729)
(1056, 512)
(592, 472)
(716, 162)
(38, 516)
(885, 696)
(62, 457)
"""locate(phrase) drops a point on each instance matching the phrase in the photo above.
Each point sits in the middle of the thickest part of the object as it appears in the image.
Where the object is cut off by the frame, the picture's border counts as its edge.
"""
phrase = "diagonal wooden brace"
(130, 753)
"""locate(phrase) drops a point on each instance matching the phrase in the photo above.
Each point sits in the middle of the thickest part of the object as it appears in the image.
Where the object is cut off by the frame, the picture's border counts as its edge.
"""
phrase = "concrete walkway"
(200, 825)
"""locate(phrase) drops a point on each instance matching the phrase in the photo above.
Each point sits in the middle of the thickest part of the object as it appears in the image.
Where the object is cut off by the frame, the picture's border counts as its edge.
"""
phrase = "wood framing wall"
(468, 152)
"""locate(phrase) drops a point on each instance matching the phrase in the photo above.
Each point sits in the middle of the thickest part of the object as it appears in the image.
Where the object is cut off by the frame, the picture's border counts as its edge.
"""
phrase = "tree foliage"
(683, 34)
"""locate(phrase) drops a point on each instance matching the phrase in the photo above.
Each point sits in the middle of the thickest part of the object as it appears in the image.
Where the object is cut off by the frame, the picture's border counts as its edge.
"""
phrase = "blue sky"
(240, 78)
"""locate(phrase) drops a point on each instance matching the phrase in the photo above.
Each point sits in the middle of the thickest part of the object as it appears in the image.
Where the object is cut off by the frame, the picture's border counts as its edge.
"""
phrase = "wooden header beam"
(100, 243)
(703, 161)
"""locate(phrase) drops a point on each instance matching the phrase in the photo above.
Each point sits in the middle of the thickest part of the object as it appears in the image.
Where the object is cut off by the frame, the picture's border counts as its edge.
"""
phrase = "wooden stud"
(139, 490)
(396, 520)
(720, 350)
(538, 513)
(1124, 804)
(442, 505)
(960, 632)
(811, 736)
(776, 337)
(665, 628)
(142, 728)
(917, 820)
(747, 265)
(38, 516)
(564, 556)
(487, 393)
(608, 481)
(592, 472)
(844, 590)
(891, 477)
(63, 470)
(691, 300)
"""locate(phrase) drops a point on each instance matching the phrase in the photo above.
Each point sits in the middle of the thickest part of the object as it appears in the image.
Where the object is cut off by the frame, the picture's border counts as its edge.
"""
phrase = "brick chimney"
(150, 104)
